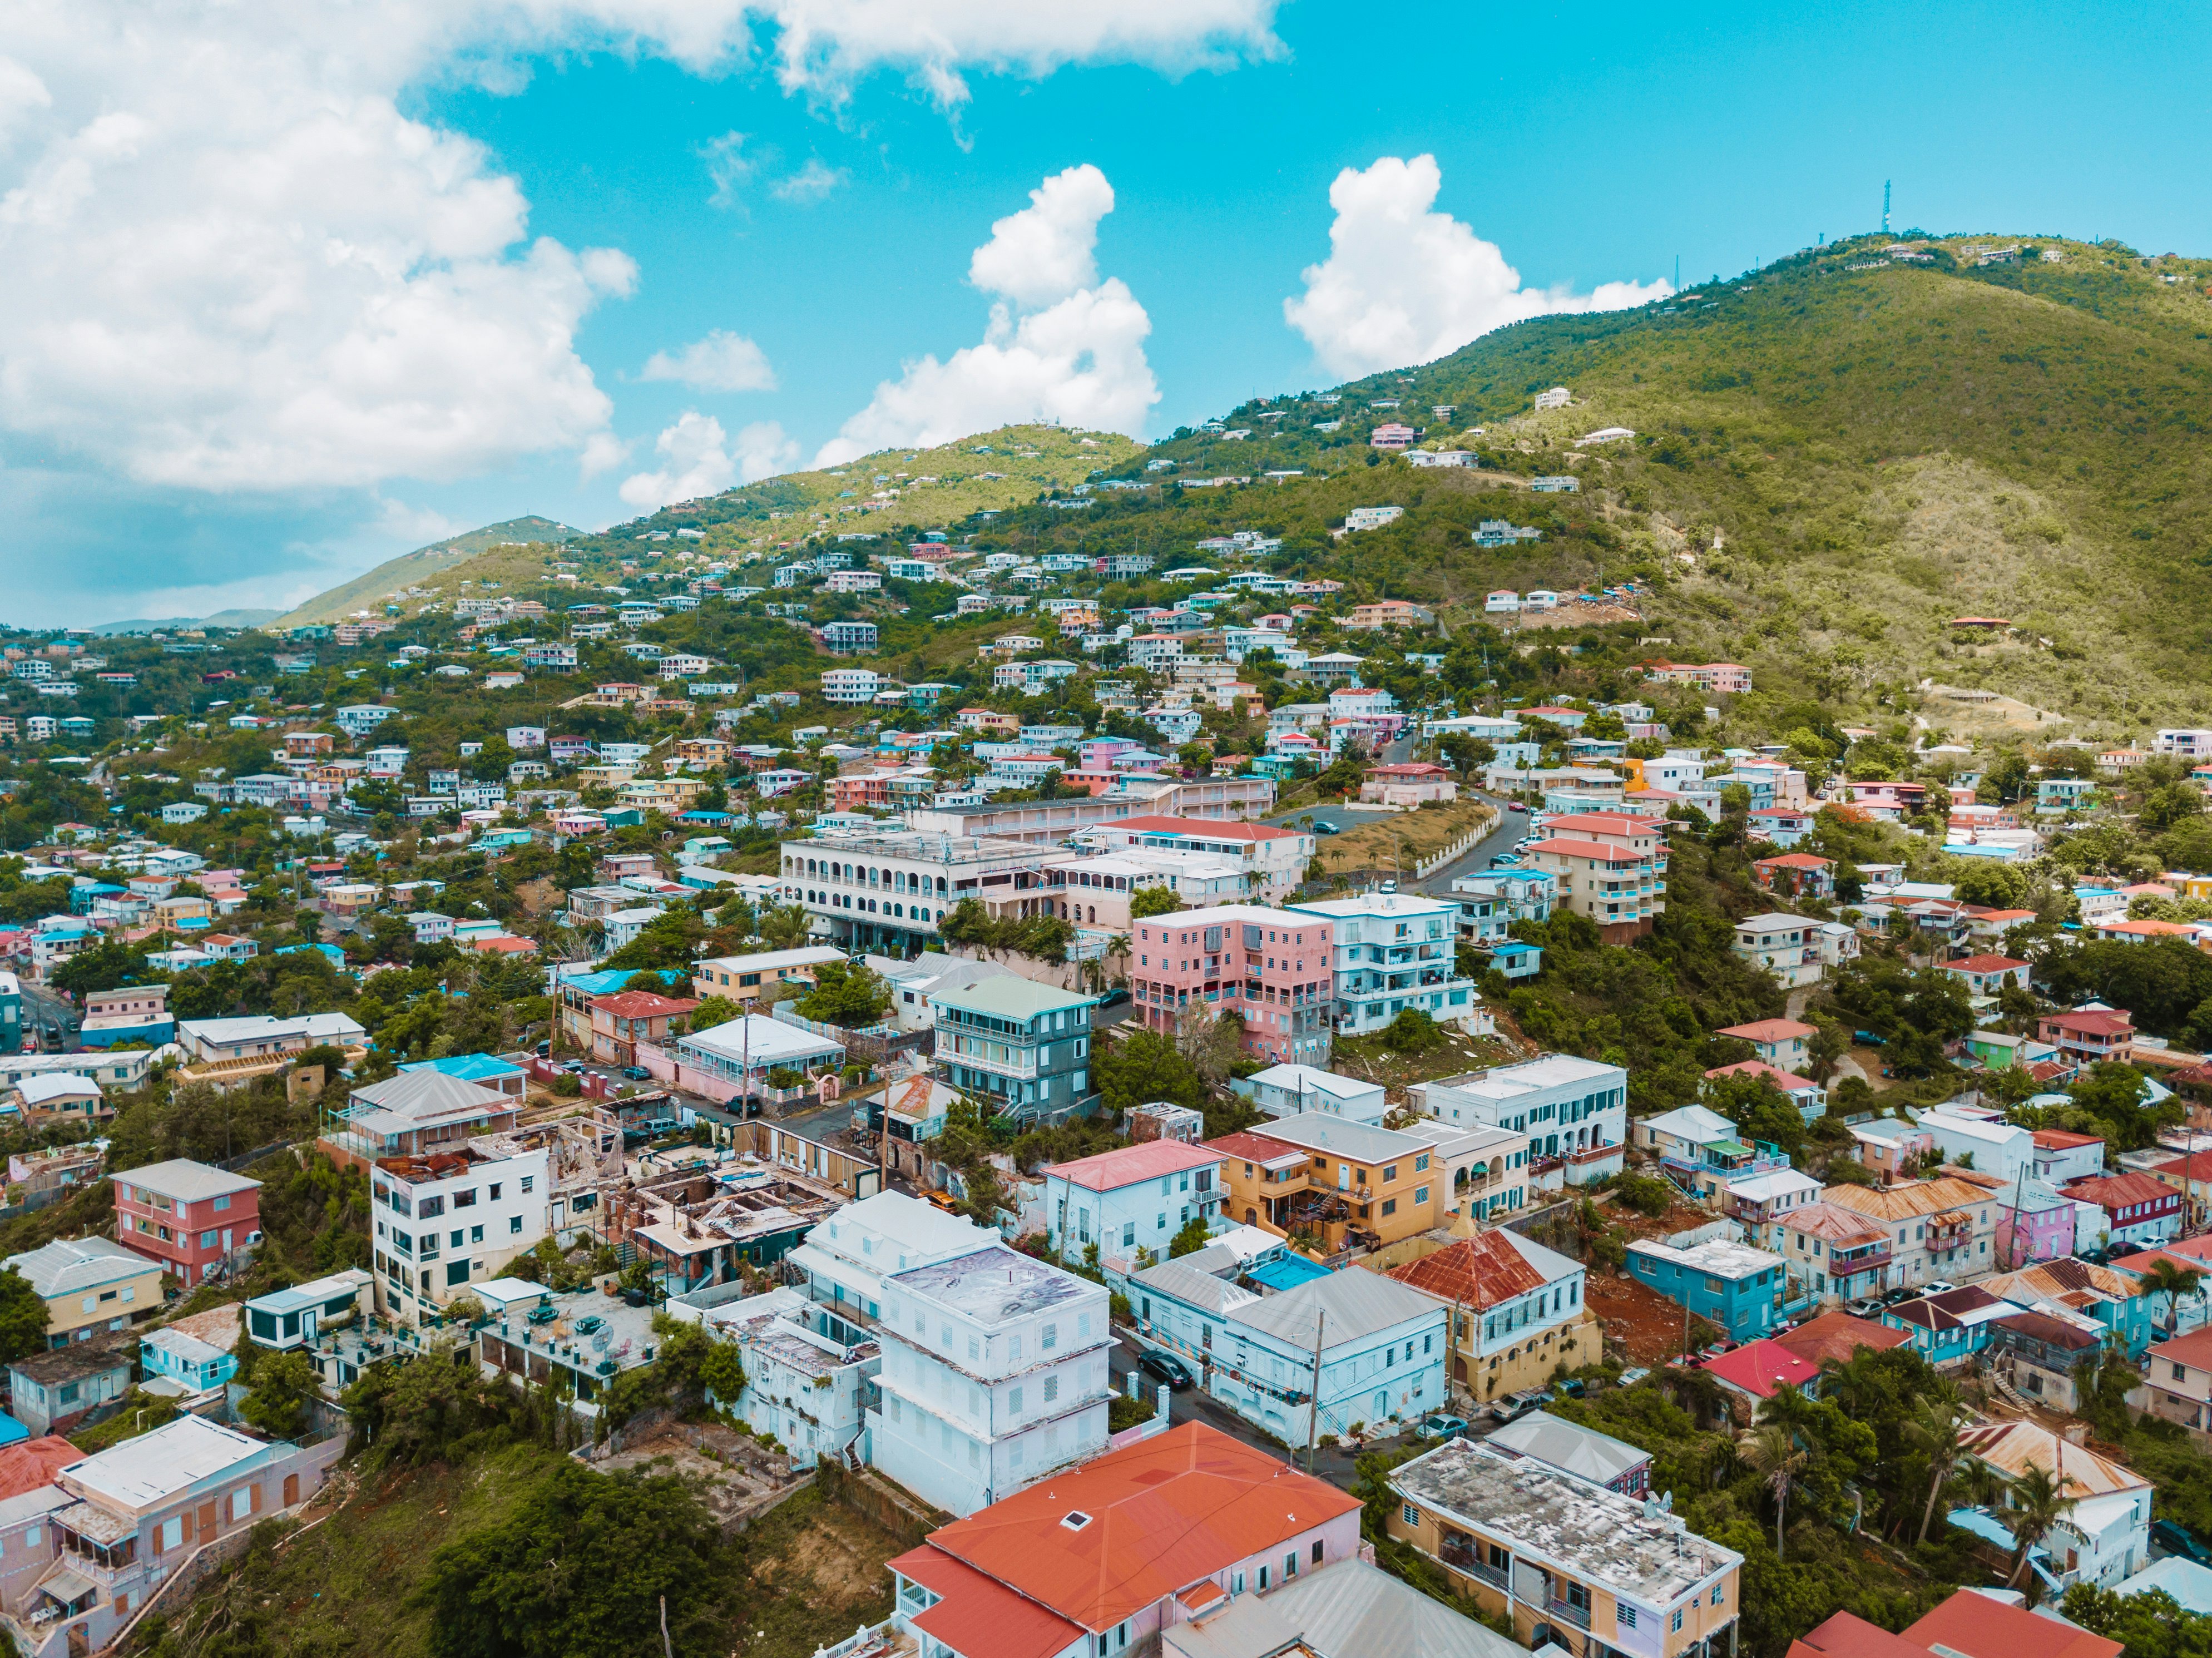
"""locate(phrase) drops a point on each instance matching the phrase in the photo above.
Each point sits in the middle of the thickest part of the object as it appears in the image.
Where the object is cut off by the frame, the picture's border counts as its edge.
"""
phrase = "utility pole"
(1313, 1404)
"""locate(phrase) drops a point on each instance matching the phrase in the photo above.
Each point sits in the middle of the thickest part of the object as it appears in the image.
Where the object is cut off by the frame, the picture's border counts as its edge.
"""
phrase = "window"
(495, 1192)
(1389, 1205)
(1236, 1580)
(465, 1200)
(1624, 1614)
(1420, 1195)
(1674, 1624)
(1717, 1594)
(1263, 1580)
(207, 1240)
(1051, 1337)
(1317, 1551)
(513, 1225)
(475, 1235)
(457, 1271)
(1421, 1164)
(529, 1182)
(1014, 1401)
(1051, 1388)
(1291, 1565)
(1129, 1234)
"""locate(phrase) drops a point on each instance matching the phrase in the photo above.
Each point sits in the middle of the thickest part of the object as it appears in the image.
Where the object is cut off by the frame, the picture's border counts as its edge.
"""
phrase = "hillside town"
(1255, 1135)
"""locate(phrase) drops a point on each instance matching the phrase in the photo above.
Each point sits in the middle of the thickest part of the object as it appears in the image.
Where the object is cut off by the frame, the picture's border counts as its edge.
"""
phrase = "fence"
(1457, 849)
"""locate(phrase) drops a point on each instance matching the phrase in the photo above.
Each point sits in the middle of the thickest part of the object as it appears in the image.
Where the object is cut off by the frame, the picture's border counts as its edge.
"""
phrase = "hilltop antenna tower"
(1885, 207)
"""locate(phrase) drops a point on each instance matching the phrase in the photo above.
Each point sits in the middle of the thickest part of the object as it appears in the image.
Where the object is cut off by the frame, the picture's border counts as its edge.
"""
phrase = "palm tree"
(1774, 1456)
(1933, 1429)
(1790, 1409)
(2165, 1276)
(2039, 1501)
(1854, 1383)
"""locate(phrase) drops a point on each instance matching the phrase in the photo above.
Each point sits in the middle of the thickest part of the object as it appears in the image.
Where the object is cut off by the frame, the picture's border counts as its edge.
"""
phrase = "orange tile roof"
(641, 1005)
(1788, 1082)
(2064, 1140)
(1164, 1512)
(1211, 828)
(978, 1613)
(30, 1463)
(1978, 1627)
(2194, 1350)
(1479, 1272)
(1984, 964)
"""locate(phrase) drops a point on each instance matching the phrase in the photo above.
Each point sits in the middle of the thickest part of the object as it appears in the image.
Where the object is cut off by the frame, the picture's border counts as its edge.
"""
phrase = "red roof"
(1110, 1171)
(1788, 1082)
(1985, 965)
(1845, 1635)
(1838, 1335)
(1759, 1367)
(2117, 1191)
(2194, 1350)
(2093, 1024)
(1164, 1512)
(501, 944)
(2183, 1252)
(1769, 1030)
(2064, 1140)
(1247, 1147)
(1979, 1627)
(1604, 853)
(1793, 861)
(30, 1463)
(641, 1005)
(978, 1613)
(1610, 823)
(1213, 828)
(1481, 1271)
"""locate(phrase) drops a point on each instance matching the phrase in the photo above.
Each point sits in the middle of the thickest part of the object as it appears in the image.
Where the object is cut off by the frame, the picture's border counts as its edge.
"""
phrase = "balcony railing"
(1568, 1611)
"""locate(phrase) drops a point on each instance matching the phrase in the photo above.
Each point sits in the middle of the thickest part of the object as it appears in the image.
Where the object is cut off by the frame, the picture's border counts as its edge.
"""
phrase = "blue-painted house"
(1950, 1327)
(1731, 1285)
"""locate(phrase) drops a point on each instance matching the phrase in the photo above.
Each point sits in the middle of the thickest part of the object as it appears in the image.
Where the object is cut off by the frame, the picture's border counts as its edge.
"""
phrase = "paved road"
(42, 1007)
(1511, 826)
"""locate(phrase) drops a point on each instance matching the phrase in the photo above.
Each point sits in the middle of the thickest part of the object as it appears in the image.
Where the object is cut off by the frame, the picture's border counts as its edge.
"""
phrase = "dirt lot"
(1399, 842)
(1641, 1321)
(1574, 616)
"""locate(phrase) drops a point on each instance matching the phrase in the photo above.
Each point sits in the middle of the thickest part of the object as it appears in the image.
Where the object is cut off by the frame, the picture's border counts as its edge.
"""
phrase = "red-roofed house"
(2088, 1035)
(1985, 975)
(2177, 1382)
(622, 1020)
(1518, 1310)
(1846, 1635)
(1412, 784)
(1136, 1197)
(1838, 1335)
(2061, 1155)
(1780, 1042)
(2190, 1173)
(1807, 1096)
(1798, 874)
(1975, 1626)
(1105, 1557)
(1754, 1370)
(1616, 878)
(2139, 1210)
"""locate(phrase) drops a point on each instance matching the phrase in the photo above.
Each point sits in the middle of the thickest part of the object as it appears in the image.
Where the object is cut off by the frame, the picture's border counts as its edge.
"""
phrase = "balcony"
(1463, 1554)
(1567, 1611)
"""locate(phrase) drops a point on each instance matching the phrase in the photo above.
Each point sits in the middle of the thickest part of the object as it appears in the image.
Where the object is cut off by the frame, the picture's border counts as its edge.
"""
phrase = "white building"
(1397, 951)
(1136, 1197)
(449, 1219)
(851, 685)
(1988, 1148)
(1788, 946)
(890, 891)
(1570, 1108)
(846, 1258)
(994, 1375)
(1285, 1090)
(809, 1372)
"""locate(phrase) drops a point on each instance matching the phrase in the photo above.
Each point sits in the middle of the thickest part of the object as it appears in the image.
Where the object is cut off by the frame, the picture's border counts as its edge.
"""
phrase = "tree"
(1211, 1043)
(22, 1317)
(783, 926)
(1191, 1239)
(2176, 803)
(1146, 1065)
(283, 1385)
(2039, 1502)
(1775, 1457)
(579, 1568)
(848, 995)
(1933, 1429)
(712, 1010)
(1983, 881)
(1412, 1032)
(1153, 900)
(2168, 1278)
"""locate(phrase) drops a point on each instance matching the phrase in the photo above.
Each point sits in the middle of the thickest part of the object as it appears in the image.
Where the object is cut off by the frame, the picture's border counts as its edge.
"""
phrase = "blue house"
(1517, 960)
(1729, 1284)
(196, 1353)
(1951, 1327)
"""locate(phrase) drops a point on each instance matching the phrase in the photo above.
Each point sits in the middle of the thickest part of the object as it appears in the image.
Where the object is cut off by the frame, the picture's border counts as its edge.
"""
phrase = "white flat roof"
(752, 1039)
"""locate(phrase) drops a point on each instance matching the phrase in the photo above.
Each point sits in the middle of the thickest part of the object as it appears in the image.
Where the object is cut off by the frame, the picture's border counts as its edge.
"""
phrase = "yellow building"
(1590, 1570)
(740, 978)
(1518, 1312)
(91, 1286)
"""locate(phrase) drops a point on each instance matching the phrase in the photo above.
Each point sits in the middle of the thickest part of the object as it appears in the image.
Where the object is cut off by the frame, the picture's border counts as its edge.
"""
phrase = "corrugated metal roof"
(1356, 1303)
(2013, 1447)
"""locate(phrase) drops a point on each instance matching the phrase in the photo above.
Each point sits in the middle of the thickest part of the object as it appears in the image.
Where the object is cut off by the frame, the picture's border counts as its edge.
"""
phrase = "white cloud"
(234, 263)
(700, 459)
(729, 167)
(723, 361)
(1060, 345)
(814, 182)
(1404, 285)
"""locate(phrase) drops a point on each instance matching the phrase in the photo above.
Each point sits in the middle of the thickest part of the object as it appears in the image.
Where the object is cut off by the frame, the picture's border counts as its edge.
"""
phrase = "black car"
(1114, 997)
(1169, 1368)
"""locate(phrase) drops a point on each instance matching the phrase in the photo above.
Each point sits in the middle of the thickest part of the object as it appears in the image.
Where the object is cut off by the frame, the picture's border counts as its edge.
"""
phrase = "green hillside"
(1880, 450)
(421, 568)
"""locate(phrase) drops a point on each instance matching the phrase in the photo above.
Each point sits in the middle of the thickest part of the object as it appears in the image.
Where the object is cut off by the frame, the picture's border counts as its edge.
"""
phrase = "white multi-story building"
(846, 1258)
(1396, 950)
(852, 685)
(890, 891)
(448, 1219)
(1136, 1197)
(810, 1374)
(1572, 1109)
(994, 1376)
(2193, 744)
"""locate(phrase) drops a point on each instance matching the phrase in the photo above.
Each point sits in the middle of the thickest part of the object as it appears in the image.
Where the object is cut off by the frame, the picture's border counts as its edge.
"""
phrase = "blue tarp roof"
(11, 1430)
(608, 980)
(1286, 1272)
(468, 1067)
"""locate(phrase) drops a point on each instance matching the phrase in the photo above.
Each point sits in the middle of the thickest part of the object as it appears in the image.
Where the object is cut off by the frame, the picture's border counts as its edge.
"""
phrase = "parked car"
(1327, 828)
(1443, 1427)
(1168, 1367)
(1514, 805)
(1864, 1307)
(1629, 1378)
(1115, 997)
(2176, 1538)
(1942, 1286)
(544, 1048)
(1388, 886)
(636, 1073)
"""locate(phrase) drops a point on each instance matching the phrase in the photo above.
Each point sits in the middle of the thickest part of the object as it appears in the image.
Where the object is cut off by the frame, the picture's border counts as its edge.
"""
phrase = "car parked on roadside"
(1168, 1367)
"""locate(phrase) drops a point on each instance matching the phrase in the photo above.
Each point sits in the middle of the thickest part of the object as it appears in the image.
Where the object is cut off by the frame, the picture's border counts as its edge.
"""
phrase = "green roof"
(1729, 1149)
(1012, 997)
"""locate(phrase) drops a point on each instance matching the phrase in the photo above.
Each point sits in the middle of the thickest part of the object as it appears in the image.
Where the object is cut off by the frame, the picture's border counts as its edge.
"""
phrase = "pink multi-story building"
(191, 1219)
(1269, 967)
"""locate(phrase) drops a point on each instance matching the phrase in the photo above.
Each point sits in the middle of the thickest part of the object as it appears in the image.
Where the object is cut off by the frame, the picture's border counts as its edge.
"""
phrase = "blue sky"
(265, 346)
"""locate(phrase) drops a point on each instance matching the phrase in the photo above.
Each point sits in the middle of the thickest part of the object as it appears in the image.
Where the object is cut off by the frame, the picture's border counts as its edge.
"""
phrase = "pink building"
(190, 1218)
(1268, 967)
